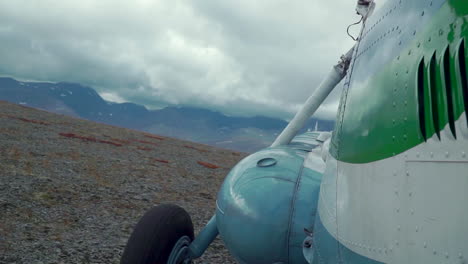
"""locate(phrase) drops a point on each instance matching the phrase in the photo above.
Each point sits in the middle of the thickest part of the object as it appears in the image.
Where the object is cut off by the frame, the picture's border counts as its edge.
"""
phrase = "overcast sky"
(240, 57)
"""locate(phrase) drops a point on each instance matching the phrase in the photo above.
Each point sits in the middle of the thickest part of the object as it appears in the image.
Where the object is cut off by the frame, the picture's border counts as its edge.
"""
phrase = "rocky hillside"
(71, 190)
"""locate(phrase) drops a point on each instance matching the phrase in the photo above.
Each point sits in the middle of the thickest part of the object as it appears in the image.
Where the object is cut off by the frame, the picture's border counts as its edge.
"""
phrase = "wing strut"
(315, 100)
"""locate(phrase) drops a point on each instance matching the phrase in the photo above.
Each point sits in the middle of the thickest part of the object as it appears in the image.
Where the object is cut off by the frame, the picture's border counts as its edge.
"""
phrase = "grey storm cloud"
(240, 57)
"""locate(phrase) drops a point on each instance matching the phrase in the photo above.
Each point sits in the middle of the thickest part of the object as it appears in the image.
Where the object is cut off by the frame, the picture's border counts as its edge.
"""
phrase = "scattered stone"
(68, 198)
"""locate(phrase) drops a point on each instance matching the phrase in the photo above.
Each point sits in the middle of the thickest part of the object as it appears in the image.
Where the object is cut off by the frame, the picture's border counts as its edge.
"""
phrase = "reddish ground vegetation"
(144, 148)
(110, 143)
(155, 137)
(71, 135)
(122, 141)
(160, 160)
(30, 120)
(208, 165)
(197, 149)
(90, 139)
(145, 142)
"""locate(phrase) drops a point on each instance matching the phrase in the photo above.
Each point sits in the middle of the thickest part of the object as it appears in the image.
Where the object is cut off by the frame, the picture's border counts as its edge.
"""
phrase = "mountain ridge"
(246, 134)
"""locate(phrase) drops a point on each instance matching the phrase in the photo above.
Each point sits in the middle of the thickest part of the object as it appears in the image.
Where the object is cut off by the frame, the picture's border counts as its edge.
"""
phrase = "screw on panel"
(398, 210)
(422, 13)
(434, 252)
(419, 45)
(446, 154)
(398, 228)
(414, 32)
(417, 228)
(412, 211)
(463, 154)
(410, 194)
(446, 255)
(409, 52)
(432, 154)
(425, 245)
(460, 255)
(429, 40)
(407, 173)
(441, 32)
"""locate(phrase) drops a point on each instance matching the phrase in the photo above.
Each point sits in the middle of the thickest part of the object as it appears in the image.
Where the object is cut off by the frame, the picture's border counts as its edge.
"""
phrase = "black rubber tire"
(156, 233)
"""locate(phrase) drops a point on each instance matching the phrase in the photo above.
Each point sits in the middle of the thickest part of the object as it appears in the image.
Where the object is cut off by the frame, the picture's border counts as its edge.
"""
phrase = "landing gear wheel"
(162, 236)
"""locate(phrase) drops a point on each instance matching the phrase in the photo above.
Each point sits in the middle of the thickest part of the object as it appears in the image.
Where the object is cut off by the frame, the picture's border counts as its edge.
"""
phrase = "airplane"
(388, 185)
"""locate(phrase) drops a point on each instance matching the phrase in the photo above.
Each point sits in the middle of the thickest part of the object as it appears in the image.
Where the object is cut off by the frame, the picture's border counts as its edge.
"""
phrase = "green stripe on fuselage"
(381, 116)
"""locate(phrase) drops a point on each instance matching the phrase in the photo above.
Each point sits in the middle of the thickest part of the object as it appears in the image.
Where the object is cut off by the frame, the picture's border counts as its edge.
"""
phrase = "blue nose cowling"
(264, 205)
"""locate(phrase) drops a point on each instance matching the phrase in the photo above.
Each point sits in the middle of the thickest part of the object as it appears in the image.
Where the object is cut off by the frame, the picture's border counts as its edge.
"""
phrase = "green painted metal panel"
(380, 116)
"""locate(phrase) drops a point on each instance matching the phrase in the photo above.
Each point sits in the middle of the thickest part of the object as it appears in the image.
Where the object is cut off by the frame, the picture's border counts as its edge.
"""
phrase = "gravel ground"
(72, 190)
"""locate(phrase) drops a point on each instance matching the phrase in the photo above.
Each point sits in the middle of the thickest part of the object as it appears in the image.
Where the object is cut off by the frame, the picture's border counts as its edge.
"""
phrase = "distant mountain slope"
(72, 190)
(201, 125)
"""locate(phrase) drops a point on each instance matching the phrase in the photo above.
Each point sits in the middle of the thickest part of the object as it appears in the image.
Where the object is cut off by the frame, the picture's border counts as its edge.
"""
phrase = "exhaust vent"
(421, 99)
(428, 105)
(463, 76)
(433, 86)
(442, 88)
(448, 91)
